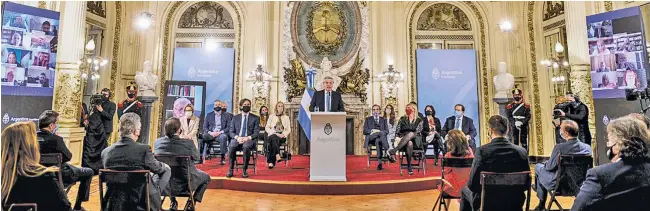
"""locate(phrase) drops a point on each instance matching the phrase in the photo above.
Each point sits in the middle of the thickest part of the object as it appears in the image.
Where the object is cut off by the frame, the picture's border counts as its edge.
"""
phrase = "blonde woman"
(190, 125)
(278, 129)
(24, 180)
(409, 129)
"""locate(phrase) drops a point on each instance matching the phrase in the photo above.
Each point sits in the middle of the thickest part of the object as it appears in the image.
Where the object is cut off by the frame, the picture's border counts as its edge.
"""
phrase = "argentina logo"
(328, 129)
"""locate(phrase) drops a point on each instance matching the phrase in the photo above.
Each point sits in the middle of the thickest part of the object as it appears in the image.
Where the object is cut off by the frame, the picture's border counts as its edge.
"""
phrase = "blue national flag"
(304, 115)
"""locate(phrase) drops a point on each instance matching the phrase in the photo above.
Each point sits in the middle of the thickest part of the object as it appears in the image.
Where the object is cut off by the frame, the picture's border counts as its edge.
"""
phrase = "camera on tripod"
(643, 96)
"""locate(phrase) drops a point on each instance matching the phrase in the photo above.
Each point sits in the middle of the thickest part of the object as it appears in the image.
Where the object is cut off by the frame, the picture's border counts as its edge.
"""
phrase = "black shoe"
(173, 205)
(391, 159)
(410, 172)
(229, 174)
(80, 209)
(245, 175)
(435, 163)
(223, 162)
(539, 207)
(380, 167)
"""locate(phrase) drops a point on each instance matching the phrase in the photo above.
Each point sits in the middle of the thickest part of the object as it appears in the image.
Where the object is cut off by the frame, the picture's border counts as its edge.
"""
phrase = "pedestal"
(502, 102)
(147, 103)
(327, 158)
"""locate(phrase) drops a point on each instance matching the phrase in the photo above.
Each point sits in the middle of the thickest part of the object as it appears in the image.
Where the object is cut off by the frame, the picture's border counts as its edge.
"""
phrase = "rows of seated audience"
(26, 180)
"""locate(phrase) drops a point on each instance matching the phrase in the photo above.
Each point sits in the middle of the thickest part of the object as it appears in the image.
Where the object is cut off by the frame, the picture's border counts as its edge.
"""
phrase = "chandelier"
(558, 66)
(261, 81)
(390, 80)
(90, 64)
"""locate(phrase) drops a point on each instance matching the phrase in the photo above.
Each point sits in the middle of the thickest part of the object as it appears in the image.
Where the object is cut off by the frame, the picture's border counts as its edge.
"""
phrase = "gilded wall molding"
(116, 45)
(206, 35)
(609, 6)
(443, 37)
(42, 4)
(539, 139)
(482, 54)
(168, 47)
(95, 22)
(555, 25)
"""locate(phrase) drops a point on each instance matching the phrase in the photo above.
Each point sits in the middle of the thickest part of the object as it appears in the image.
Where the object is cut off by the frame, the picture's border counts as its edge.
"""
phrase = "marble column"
(578, 53)
(68, 86)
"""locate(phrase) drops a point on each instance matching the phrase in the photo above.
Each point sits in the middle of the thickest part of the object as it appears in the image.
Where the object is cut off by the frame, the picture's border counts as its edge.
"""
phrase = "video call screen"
(617, 53)
(29, 49)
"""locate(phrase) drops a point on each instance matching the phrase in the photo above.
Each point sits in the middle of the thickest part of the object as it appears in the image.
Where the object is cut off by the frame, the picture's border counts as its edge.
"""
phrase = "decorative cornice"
(95, 22)
(555, 25)
(533, 65)
(443, 37)
(116, 44)
(42, 4)
(206, 35)
(609, 6)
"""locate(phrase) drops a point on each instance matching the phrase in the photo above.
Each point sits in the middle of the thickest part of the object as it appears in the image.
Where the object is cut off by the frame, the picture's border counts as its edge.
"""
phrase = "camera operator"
(578, 112)
(560, 105)
(107, 109)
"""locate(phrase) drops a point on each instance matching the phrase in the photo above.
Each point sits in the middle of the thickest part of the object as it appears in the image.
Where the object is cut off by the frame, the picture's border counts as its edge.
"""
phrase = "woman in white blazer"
(190, 125)
(278, 129)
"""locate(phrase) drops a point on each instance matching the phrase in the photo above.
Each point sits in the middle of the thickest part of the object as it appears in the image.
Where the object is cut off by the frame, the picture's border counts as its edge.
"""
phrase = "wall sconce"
(390, 80)
(144, 21)
(261, 80)
(90, 64)
(505, 26)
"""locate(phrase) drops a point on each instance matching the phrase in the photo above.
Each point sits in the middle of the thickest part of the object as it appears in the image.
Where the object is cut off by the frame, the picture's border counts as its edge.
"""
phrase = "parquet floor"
(219, 199)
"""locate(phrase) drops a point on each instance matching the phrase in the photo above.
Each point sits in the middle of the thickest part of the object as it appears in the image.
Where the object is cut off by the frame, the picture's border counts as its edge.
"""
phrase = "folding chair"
(372, 155)
(637, 199)
(55, 159)
(240, 154)
(419, 158)
(214, 149)
(454, 165)
(504, 183)
(284, 150)
(126, 180)
(181, 177)
(571, 172)
(23, 207)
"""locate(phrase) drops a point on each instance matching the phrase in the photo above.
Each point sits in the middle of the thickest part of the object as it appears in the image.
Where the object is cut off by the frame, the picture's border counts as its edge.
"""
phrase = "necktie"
(458, 123)
(327, 101)
(376, 120)
(242, 133)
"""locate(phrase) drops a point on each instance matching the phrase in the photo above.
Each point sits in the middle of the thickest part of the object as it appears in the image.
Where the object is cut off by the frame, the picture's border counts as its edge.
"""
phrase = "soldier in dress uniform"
(130, 105)
(519, 114)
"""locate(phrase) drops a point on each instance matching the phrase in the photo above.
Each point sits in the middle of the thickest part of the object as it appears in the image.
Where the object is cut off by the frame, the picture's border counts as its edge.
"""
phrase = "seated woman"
(278, 128)
(24, 180)
(409, 129)
(264, 117)
(190, 125)
(456, 178)
(172, 144)
(389, 116)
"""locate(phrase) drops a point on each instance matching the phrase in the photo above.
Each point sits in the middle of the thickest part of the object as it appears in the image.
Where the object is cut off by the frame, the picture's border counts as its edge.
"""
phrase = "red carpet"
(298, 170)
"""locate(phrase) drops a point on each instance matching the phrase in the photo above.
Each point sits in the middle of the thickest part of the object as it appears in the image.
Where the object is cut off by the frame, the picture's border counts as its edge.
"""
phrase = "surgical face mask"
(562, 136)
(131, 95)
(56, 128)
(409, 111)
(375, 114)
(429, 113)
(458, 114)
(246, 109)
(188, 113)
(517, 98)
(610, 153)
(217, 109)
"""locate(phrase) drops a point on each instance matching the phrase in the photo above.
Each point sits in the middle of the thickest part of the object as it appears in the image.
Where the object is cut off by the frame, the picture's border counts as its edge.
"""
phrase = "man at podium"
(326, 100)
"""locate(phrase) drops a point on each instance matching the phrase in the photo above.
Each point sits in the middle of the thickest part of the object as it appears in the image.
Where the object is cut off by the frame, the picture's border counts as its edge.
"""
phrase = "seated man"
(498, 156)
(172, 144)
(216, 128)
(461, 122)
(545, 172)
(127, 155)
(375, 129)
(49, 142)
(244, 128)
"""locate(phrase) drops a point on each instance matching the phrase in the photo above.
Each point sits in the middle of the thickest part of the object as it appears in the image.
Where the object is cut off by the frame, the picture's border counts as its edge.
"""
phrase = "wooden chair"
(55, 159)
(124, 179)
(240, 154)
(452, 164)
(372, 155)
(181, 177)
(284, 149)
(419, 158)
(23, 207)
(492, 183)
(571, 172)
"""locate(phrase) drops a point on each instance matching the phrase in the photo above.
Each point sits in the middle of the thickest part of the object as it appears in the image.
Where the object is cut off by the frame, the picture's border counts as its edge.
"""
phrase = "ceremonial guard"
(519, 114)
(130, 105)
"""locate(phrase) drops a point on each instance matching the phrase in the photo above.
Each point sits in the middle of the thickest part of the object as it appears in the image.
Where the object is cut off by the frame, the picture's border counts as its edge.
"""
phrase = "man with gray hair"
(127, 155)
(327, 100)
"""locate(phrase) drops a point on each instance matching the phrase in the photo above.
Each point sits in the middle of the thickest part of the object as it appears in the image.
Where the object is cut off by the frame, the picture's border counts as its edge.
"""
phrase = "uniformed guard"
(519, 115)
(130, 105)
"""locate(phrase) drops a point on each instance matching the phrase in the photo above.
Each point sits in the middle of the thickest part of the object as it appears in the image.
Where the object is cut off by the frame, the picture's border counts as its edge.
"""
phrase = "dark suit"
(378, 139)
(209, 126)
(610, 179)
(545, 172)
(252, 131)
(319, 100)
(498, 156)
(43, 190)
(580, 114)
(177, 146)
(107, 117)
(127, 155)
(51, 143)
(467, 128)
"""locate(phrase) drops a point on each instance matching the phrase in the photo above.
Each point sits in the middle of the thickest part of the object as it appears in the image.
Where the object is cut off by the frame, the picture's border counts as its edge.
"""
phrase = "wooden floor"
(218, 199)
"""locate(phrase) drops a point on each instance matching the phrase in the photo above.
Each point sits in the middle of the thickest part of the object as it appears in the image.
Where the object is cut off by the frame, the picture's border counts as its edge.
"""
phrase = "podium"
(327, 151)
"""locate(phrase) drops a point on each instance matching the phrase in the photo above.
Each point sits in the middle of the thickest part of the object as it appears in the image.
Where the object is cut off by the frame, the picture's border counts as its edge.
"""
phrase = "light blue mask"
(457, 114)
(56, 128)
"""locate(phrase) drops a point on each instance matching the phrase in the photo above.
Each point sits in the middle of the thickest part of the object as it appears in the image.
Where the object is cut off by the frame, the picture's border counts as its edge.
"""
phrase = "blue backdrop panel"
(446, 78)
(215, 67)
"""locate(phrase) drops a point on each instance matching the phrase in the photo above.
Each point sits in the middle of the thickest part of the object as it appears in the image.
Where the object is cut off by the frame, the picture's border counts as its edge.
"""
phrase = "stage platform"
(294, 179)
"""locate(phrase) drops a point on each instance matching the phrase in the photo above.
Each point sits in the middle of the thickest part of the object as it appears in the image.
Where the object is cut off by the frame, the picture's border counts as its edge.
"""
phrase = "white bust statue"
(503, 81)
(326, 70)
(146, 80)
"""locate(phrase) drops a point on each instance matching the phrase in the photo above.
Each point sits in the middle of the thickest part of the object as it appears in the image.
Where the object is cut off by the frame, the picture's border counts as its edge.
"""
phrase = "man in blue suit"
(216, 130)
(461, 122)
(327, 100)
(375, 129)
(545, 172)
(244, 130)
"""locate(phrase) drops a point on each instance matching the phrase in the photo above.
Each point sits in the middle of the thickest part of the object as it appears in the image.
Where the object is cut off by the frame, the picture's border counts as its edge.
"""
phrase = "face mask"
(610, 153)
(388, 111)
(246, 109)
(104, 98)
(376, 114)
(136, 134)
(217, 109)
(56, 128)
(562, 136)
(517, 98)
(264, 113)
(409, 111)
(188, 113)
(457, 114)
(131, 95)
(429, 113)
